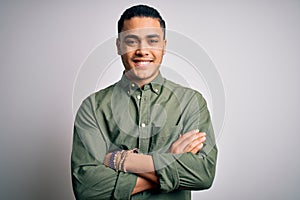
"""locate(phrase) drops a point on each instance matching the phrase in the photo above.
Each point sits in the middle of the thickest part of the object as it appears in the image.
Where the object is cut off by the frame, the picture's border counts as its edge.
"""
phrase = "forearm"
(100, 182)
(199, 173)
(93, 180)
(139, 163)
(143, 184)
(142, 165)
(187, 171)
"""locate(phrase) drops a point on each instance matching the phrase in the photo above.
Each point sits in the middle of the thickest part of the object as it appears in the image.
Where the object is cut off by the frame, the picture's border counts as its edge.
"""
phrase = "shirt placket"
(144, 119)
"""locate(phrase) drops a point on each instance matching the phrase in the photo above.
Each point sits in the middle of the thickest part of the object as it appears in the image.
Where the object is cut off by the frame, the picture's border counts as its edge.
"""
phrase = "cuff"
(166, 170)
(124, 185)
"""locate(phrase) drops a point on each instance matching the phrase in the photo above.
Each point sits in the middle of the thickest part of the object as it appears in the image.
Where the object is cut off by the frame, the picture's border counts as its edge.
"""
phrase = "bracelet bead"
(111, 159)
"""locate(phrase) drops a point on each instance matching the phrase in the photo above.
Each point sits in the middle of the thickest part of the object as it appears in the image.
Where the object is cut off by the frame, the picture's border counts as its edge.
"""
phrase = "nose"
(143, 49)
(142, 52)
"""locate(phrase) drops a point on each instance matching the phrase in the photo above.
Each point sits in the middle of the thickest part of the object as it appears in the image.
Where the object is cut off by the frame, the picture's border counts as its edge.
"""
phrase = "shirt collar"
(129, 86)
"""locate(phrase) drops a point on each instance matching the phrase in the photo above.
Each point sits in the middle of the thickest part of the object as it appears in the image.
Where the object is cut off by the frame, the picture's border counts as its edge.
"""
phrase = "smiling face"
(141, 45)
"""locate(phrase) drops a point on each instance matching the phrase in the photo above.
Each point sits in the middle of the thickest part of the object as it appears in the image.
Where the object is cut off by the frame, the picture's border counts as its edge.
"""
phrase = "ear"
(164, 47)
(118, 43)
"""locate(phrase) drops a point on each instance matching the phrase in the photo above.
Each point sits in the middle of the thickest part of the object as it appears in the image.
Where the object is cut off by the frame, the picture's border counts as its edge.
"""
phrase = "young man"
(144, 137)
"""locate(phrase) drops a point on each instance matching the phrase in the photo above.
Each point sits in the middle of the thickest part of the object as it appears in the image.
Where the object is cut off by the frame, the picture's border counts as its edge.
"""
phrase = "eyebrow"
(153, 35)
(131, 36)
(137, 37)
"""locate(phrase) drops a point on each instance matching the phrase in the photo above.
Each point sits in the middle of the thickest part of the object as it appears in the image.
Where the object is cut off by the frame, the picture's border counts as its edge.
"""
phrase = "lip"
(142, 62)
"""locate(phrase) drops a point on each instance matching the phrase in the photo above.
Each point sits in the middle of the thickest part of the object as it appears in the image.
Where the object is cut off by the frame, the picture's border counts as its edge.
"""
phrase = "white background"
(254, 45)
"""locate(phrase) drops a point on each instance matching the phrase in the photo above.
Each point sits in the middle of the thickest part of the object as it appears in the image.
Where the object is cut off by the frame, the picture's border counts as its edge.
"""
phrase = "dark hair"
(140, 11)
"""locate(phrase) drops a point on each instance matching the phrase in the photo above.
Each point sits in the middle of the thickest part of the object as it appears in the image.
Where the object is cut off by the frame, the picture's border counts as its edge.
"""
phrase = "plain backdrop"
(255, 47)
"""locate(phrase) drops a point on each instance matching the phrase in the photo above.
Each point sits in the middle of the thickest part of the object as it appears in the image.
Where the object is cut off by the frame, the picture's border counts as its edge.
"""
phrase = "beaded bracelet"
(122, 161)
(112, 159)
(117, 160)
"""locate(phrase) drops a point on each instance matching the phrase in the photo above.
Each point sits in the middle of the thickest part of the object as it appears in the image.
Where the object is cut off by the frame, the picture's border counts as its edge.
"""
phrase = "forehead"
(141, 26)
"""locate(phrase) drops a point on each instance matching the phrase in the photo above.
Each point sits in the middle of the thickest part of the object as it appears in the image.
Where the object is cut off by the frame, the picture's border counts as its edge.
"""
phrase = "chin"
(141, 75)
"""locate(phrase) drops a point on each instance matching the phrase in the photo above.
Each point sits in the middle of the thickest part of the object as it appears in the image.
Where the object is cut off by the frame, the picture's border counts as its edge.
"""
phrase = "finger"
(183, 137)
(184, 140)
(187, 137)
(202, 139)
(194, 144)
(197, 149)
(188, 140)
(201, 134)
(190, 133)
(193, 134)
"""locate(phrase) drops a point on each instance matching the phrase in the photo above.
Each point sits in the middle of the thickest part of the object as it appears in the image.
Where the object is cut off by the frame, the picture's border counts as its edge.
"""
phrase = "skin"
(142, 47)
(191, 141)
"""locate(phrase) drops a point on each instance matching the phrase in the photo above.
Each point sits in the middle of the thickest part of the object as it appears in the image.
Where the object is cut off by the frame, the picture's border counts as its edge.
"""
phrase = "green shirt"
(123, 116)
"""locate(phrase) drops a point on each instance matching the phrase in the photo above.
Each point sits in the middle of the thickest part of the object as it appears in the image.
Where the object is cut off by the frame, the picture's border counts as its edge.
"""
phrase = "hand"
(191, 141)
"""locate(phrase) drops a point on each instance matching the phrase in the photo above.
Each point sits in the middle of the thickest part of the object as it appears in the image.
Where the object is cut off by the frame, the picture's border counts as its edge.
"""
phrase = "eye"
(153, 41)
(131, 42)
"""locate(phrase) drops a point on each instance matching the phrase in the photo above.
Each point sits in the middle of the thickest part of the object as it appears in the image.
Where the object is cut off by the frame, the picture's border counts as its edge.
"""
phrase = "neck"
(140, 82)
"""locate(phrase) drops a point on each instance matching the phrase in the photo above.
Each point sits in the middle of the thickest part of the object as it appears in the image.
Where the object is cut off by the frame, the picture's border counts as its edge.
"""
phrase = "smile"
(142, 63)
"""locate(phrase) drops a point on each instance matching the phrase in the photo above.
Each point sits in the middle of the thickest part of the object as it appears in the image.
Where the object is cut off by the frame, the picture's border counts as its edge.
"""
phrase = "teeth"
(143, 62)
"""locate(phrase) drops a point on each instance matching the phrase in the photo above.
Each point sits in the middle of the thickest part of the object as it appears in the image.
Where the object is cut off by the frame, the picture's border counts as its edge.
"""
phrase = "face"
(141, 45)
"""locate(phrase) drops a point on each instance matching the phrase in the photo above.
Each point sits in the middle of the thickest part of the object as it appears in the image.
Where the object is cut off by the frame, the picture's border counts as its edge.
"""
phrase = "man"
(144, 137)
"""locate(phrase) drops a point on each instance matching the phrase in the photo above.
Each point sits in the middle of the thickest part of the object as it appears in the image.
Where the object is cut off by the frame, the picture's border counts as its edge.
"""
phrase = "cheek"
(128, 54)
(159, 55)
(127, 50)
(126, 59)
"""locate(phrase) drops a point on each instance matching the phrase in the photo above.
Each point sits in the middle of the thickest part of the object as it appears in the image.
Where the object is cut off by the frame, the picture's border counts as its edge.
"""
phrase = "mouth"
(142, 62)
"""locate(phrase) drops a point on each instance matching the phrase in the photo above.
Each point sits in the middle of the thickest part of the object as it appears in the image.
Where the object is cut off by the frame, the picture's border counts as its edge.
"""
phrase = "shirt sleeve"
(90, 178)
(189, 171)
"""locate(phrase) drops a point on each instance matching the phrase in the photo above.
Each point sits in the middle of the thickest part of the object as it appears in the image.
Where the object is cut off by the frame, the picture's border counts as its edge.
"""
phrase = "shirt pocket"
(163, 137)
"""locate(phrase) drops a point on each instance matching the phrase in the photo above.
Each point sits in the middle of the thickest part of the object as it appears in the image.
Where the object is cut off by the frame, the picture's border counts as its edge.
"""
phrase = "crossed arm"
(190, 170)
(143, 167)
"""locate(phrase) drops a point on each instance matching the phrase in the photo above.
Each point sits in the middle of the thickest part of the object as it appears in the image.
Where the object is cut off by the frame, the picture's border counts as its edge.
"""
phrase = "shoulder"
(103, 93)
(99, 96)
(180, 90)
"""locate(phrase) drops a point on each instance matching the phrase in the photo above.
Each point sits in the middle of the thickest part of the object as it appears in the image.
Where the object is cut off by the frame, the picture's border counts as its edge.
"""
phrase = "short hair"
(141, 11)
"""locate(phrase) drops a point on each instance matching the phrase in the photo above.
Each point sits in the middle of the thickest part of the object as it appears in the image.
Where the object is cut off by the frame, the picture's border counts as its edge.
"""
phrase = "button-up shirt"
(125, 116)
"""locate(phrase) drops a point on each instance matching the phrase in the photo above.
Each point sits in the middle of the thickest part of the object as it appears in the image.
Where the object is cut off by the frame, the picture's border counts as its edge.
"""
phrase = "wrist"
(116, 159)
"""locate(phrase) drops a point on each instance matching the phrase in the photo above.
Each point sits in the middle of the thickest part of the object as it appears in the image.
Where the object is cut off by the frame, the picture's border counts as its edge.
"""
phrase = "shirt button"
(156, 90)
(138, 97)
(143, 124)
(128, 92)
(132, 85)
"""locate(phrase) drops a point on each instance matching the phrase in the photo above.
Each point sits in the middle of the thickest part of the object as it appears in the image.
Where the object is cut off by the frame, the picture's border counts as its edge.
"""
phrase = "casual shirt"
(124, 116)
